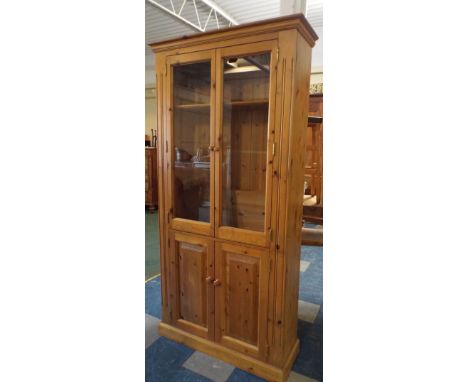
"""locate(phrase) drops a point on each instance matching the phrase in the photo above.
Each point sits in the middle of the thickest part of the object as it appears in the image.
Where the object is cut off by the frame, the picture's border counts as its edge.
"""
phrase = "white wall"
(316, 77)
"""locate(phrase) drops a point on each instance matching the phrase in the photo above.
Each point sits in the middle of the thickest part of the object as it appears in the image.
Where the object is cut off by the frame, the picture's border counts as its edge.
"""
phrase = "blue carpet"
(311, 283)
(153, 297)
(164, 361)
(164, 358)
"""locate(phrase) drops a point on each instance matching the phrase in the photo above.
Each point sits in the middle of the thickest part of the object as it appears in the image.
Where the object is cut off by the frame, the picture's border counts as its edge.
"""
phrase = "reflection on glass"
(191, 129)
(245, 130)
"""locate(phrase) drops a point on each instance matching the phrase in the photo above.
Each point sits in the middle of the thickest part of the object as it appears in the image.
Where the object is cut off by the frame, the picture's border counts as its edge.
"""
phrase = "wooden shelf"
(253, 102)
(193, 106)
(190, 164)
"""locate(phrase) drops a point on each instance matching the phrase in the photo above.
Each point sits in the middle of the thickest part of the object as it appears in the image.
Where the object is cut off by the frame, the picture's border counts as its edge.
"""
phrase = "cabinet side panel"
(295, 54)
(284, 111)
(296, 189)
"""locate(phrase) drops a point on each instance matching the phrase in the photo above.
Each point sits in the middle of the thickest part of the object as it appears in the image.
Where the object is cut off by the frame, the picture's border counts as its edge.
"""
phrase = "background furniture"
(232, 109)
(151, 178)
(313, 177)
(314, 148)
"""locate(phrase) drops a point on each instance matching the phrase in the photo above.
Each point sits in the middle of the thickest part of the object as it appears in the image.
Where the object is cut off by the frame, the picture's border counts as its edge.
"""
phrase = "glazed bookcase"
(232, 117)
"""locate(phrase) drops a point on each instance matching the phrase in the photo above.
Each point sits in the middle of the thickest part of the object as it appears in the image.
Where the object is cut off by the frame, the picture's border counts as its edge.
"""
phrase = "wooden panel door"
(192, 291)
(246, 77)
(241, 293)
(189, 123)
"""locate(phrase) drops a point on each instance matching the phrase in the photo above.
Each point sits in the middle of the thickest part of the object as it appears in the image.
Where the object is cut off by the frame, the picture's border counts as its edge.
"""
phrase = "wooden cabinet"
(314, 152)
(232, 117)
(151, 178)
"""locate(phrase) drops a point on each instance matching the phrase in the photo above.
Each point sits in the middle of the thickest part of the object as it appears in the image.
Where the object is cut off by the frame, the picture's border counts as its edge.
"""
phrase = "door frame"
(231, 233)
(182, 224)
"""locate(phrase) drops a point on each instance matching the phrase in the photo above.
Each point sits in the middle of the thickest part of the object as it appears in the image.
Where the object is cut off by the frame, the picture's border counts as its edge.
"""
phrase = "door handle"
(217, 282)
(209, 279)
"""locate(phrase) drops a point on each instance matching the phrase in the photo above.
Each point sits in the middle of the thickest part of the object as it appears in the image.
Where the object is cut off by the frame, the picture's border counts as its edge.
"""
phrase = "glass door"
(190, 122)
(247, 79)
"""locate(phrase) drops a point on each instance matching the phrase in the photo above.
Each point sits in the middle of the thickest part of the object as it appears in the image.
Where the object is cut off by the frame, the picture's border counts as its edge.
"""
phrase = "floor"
(167, 361)
(151, 245)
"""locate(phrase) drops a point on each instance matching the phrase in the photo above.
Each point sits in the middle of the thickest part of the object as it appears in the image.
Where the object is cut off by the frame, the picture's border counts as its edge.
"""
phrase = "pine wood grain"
(241, 298)
(192, 262)
(246, 312)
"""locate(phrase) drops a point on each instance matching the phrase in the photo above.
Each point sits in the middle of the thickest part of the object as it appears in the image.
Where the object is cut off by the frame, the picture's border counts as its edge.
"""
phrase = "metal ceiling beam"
(220, 11)
(174, 14)
(196, 24)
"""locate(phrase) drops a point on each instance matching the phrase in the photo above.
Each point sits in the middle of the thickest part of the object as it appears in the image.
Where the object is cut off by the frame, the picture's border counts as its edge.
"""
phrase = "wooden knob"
(211, 148)
(216, 282)
(209, 279)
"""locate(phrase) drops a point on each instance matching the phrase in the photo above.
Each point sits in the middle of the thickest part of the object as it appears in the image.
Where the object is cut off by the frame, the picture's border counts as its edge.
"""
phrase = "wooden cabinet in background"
(314, 149)
(232, 115)
(151, 178)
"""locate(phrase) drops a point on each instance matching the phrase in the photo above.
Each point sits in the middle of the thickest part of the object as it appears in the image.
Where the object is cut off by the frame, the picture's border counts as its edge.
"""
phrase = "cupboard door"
(245, 104)
(192, 288)
(189, 145)
(241, 293)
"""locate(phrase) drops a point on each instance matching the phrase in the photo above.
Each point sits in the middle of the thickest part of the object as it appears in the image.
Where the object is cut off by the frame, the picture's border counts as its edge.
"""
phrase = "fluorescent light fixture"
(242, 69)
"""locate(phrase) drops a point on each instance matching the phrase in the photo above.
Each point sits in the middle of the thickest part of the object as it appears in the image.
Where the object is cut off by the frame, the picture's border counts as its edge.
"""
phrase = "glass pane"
(191, 132)
(245, 130)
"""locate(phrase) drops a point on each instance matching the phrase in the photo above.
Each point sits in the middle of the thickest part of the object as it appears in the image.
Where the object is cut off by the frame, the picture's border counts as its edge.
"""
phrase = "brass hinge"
(273, 150)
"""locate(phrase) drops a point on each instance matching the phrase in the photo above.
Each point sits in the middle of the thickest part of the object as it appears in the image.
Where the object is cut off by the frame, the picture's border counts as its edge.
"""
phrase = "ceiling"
(162, 26)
